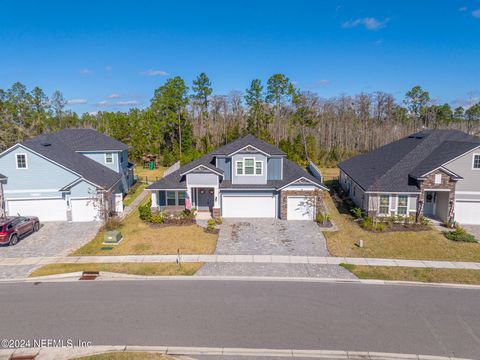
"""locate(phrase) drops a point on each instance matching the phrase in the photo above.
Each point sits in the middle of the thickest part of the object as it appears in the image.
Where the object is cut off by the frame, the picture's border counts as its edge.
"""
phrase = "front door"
(205, 199)
(430, 200)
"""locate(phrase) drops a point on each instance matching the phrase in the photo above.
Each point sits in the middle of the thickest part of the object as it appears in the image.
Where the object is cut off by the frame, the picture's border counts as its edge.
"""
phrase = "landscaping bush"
(357, 213)
(368, 223)
(112, 223)
(211, 226)
(157, 218)
(218, 220)
(459, 234)
(323, 218)
(145, 211)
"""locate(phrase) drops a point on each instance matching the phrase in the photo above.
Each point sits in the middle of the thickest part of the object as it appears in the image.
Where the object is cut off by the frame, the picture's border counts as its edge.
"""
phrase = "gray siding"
(203, 179)
(246, 179)
(41, 176)
(82, 189)
(274, 169)
(463, 167)
(226, 165)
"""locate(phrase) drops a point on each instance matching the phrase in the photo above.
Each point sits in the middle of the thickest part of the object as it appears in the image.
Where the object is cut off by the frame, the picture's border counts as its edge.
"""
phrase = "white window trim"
(438, 176)
(408, 205)
(176, 197)
(473, 161)
(16, 161)
(380, 204)
(113, 159)
(255, 161)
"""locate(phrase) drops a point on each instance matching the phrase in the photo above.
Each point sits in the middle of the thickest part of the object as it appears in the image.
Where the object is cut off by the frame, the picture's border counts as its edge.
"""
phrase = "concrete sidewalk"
(274, 259)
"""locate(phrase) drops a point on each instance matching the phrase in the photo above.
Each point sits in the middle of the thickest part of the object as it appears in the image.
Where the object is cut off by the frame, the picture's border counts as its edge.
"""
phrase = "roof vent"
(46, 143)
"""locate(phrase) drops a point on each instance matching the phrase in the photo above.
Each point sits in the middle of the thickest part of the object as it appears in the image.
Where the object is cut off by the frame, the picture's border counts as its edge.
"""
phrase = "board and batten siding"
(274, 168)
(202, 179)
(40, 178)
(225, 164)
(463, 166)
(249, 179)
(99, 157)
(374, 202)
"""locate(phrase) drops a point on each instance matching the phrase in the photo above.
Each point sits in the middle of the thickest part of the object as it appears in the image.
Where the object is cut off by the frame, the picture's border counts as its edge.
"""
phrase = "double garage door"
(467, 212)
(53, 209)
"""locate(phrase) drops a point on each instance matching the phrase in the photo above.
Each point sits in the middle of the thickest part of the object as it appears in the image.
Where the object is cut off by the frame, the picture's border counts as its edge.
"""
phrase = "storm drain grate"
(89, 275)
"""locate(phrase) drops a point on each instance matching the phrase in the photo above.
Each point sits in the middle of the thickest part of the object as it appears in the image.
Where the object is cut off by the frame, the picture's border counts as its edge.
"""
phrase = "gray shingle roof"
(89, 140)
(393, 167)
(291, 171)
(245, 141)
(2, 176)
(57, 150)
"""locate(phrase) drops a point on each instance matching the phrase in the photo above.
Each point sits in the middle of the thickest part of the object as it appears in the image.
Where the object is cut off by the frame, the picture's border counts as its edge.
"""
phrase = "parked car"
(13, 229)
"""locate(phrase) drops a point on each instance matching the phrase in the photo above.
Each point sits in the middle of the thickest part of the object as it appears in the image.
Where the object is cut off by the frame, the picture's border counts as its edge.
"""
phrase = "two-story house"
(433, 173)
(247, 178)
(59, 177)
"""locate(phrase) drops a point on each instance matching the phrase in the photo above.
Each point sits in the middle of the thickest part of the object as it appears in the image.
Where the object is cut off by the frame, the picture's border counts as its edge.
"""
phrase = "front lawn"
(145, 269)
(134, 192)
(417, 245)
(141, 238)
(454, 276)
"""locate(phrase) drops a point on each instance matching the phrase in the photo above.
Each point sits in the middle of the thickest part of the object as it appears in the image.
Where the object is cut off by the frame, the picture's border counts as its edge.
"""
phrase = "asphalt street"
(248, 314)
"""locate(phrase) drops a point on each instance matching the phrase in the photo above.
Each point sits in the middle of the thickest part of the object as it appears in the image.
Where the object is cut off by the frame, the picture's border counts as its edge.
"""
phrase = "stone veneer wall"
(317, 194)
(429, 184)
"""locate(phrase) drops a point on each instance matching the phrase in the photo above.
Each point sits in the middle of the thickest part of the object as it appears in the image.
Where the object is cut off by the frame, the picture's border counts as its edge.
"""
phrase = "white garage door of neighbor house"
(248, 206)
(44, 209)
(300, 208)
(467, 212)
(83, 210)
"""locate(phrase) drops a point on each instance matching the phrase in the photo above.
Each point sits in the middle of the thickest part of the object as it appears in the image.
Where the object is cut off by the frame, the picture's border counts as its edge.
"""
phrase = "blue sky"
(110, 55)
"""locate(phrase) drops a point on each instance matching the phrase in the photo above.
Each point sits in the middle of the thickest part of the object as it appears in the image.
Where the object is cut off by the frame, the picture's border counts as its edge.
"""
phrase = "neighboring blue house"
(247, 178)
(57, 177)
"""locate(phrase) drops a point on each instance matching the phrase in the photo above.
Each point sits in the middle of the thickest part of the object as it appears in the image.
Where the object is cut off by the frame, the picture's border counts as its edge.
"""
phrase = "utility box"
(112, 237)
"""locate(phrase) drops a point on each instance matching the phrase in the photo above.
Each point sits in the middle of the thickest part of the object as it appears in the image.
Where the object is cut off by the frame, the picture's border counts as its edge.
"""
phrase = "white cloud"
(86, 72)
(463, 8)
(103, 103)
(154, 73)
(369, 23)
(128, 103)
(476, 13)
(113, 96)
(77, 101)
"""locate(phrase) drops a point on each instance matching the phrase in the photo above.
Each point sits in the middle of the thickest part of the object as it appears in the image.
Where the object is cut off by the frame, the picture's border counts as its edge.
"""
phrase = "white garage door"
(300, 208)
(83, 210)
(467, 212)
(248, 206)
(44, 209)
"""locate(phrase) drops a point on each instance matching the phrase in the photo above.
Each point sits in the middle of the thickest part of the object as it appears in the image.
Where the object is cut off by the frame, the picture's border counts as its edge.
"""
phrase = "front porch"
(438, 205)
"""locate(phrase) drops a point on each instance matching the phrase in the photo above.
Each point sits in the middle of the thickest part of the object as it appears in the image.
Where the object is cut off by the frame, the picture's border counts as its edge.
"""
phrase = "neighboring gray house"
(57, 176)
(247, 178)
(435, 173)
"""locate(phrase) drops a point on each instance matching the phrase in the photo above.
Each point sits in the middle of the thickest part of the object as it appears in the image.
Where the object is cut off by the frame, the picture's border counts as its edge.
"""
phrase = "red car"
(13, 229)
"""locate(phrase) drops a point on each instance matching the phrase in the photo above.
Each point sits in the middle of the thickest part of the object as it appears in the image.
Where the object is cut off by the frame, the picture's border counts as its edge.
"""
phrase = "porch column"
(216, 202)
(154, 200)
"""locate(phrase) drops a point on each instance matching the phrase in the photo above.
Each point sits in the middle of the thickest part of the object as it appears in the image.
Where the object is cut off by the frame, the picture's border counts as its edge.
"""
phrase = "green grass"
(454, 276)
(134, 192)
(145, 269)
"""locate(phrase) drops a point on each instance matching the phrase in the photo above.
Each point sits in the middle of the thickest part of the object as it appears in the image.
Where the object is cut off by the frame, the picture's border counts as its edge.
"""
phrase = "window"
(438, 179)
(402, 206)
(21, 161)
(384, 205)
(171, 200)
(249, 166)
(239, 167)
(476, 161)
(108, 158)
(258, 167)
(181, 198)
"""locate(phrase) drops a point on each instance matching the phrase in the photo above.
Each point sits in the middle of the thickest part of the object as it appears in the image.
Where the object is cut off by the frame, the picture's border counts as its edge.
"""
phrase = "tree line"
(183, 122)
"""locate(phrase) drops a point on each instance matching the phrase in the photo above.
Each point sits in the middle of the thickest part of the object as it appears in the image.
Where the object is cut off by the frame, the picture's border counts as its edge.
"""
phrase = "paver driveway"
(474, 230)
(53, 239)
(271, 237)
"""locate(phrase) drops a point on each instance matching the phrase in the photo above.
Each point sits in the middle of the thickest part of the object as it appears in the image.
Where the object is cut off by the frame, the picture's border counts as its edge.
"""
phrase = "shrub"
(424, 221)
(380, 227)
(357, 212)
(187, 214)
(459, 234)
(145, 211)
(211, 224)
(218, 220)
(157, 218)
(322, 218)
(367, 223)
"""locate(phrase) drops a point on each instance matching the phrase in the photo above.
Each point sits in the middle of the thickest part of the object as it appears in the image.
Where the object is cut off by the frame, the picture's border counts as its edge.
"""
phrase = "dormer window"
(108, 158)
(249, 167)
(21, 161)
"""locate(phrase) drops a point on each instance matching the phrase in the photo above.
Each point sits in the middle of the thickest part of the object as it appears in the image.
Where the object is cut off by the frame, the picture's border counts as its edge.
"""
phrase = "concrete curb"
(105, 276)
(73, 352)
